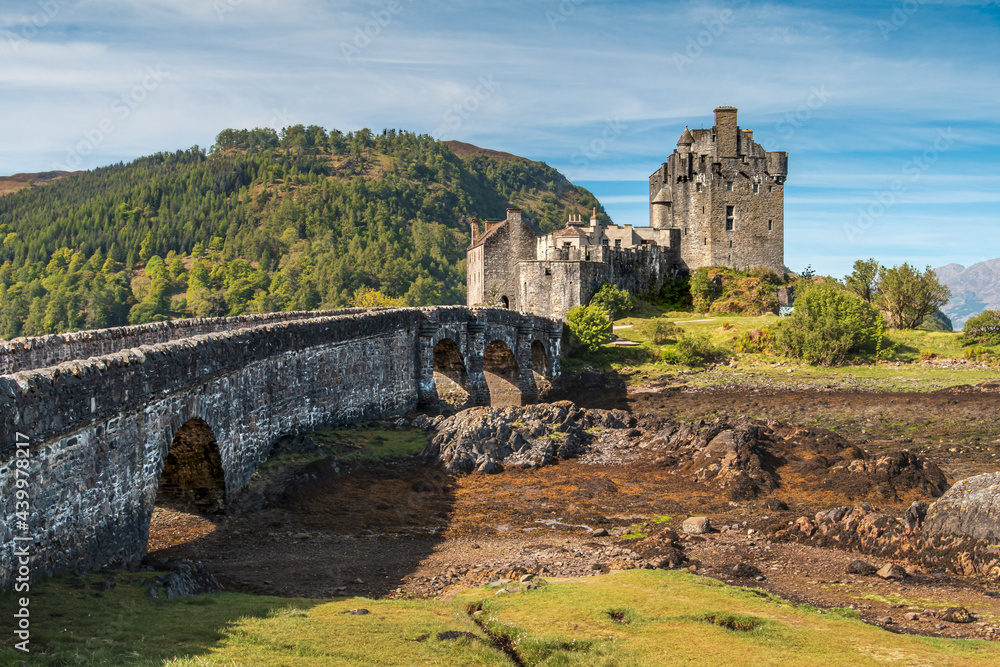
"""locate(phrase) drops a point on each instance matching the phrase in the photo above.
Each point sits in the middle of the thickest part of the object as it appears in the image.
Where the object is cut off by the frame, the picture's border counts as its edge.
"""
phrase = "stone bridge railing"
(96, 431)
(23, 354)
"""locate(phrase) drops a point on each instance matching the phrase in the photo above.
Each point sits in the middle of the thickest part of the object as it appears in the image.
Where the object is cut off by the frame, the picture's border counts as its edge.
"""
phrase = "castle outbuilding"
(717, 201)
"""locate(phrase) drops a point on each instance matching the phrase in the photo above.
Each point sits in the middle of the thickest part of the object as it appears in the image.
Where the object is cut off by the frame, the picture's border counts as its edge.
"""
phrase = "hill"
(262, 222)
(973, 289)
(18, 182)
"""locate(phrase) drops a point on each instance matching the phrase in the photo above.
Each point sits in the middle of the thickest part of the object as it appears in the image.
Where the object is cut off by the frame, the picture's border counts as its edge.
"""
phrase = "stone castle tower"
(725, 194)
(718, 200)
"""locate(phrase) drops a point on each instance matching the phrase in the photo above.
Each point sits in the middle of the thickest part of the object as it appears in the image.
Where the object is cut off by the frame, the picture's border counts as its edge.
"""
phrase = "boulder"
(861, 567)
(891, 571)
(957, 615)
(746, 571)
(971, 508)
(696, 525)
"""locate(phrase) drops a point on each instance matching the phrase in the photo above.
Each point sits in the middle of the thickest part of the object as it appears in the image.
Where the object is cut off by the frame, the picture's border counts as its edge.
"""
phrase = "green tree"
(983, 329)
(617, 302)
(589, 326)
(863, 281)
(906, 296)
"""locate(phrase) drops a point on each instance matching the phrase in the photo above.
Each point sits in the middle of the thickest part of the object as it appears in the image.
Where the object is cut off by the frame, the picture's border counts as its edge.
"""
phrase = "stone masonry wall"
(21, 354)
(100, 429)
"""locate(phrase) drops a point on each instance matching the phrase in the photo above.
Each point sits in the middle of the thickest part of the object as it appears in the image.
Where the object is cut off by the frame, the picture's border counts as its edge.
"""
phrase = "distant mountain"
(973, 289)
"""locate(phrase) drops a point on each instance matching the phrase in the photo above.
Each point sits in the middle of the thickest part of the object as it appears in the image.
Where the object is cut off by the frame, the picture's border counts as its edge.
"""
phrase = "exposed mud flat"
(410, 528)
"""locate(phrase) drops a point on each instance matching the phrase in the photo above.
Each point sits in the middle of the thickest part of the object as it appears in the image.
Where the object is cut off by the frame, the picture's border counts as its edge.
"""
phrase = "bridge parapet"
(22, 354)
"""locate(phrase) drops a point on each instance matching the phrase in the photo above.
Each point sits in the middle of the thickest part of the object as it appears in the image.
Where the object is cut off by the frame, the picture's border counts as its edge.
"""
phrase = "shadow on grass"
(78, 621)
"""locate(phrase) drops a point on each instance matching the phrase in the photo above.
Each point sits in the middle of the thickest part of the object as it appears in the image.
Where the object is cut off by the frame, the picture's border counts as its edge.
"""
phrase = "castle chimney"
(475, 229)
(593, 218)
(726, 132)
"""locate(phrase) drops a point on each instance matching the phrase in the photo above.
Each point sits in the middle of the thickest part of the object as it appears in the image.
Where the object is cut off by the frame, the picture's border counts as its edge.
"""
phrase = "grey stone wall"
(492, 264)
(21, 354)
(100, 429)
(551, 287)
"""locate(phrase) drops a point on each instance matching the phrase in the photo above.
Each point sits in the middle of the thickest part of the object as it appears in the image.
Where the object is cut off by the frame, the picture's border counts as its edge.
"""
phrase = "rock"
(971, 508)
(600, 532)
(886, 620)
(861, 567)
(957, 615)
(746, 571)
(526, 578)
(911, 616)
(775, 505)
(356, 612)
(915, 514)
(891, 571)
(696, 525)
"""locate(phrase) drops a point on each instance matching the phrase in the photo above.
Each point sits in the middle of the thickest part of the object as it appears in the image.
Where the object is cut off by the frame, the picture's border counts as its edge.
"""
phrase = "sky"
(888, 110)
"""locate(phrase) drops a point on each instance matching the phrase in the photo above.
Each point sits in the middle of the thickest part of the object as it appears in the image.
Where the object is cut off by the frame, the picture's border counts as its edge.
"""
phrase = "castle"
(718, 200)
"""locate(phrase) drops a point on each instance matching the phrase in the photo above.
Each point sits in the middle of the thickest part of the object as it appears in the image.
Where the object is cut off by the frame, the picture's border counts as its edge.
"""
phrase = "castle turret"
(686, 140)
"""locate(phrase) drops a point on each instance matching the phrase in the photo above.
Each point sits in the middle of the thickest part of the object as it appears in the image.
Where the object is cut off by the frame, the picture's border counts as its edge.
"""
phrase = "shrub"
(666, 332)
(756, 341)
(676, 294)
(614, 300)
(698, 350)
(589, 327)
(829, 323)
(670, 357)
(977, 352)
(983, 329)
(722, 290)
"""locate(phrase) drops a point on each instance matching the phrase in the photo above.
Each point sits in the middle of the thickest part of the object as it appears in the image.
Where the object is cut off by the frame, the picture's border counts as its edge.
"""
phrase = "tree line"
(263, 221)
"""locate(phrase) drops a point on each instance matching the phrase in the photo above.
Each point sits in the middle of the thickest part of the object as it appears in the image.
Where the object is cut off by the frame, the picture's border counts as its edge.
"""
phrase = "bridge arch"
(192, 472)
(503, 374)
(451, 375)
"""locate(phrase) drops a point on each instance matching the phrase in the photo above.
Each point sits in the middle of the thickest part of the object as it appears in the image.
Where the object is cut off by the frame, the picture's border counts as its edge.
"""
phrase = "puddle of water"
(552, 523)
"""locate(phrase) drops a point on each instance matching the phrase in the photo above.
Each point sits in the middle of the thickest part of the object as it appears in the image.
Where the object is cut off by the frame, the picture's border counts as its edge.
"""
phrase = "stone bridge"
(95, 423)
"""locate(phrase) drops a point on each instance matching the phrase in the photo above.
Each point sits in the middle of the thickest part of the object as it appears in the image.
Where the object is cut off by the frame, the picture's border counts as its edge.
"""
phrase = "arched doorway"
(505, 302)
(539, 364)
(450, 375)
(192, 474)
(502, 374)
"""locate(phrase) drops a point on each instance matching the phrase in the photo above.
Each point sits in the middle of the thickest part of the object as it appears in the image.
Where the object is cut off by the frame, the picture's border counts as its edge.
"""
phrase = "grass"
(899, 368)
(374, 442)
(635, 617)
(127, 627)
(652, 617)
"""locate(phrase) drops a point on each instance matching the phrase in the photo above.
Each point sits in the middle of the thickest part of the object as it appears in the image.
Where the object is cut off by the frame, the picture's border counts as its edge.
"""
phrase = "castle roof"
(686, 138)
(570, 230)
(663, 196)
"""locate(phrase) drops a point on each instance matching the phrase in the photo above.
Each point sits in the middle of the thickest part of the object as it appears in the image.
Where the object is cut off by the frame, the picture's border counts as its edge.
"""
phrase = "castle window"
(605, 242)
(548, 272)
(768, 225)
(730, 243)
(700, 187)
(756, 188)
(729, 185)
(567, 244)
(706, 241)
(618, 244)
(730, 218)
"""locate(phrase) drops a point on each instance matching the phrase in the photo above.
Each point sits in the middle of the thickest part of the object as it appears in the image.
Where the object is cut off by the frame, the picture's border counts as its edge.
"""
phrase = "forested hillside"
(262, 222)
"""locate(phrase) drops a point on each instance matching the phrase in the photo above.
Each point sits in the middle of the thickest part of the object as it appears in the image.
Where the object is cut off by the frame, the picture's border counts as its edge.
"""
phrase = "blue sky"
(889, 110)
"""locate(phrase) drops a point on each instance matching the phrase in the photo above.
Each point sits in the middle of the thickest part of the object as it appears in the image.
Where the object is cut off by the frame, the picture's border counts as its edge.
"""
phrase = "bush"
(755, 342)
(589, 327)
(721, 290)
(976, 353)
(983, 329)
(829, 323)
(616, 301)
(666, 332)
(698, 350)
(676, 294)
